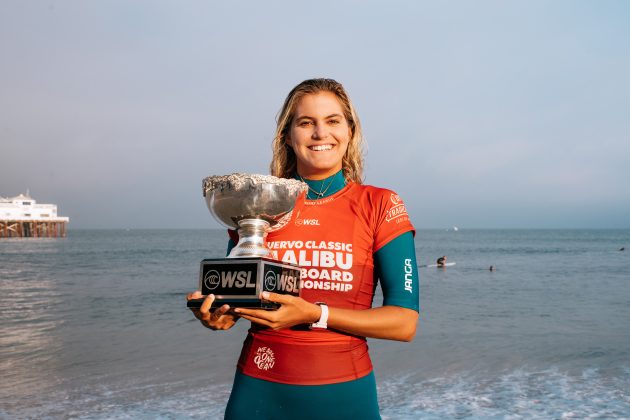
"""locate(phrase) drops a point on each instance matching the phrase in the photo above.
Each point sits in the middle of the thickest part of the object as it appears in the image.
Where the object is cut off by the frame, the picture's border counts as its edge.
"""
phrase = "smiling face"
(319, 135)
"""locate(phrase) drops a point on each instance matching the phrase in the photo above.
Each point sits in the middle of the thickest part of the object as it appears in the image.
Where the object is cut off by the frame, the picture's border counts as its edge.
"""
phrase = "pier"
(22, 217)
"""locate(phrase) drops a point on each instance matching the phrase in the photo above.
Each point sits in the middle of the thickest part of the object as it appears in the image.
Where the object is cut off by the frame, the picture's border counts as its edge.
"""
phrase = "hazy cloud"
(484, 114)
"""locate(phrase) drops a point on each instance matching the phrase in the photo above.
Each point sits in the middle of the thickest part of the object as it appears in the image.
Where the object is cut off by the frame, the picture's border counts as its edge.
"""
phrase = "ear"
(287, 141)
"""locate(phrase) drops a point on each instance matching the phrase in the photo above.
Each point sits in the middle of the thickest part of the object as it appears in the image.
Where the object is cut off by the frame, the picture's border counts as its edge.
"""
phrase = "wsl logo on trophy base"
(254, 205)
(239, 281)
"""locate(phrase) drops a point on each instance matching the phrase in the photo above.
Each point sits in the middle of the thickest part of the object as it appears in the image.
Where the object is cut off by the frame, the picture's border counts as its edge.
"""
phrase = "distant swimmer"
(441, 262)
(622, 249)
(492, 268)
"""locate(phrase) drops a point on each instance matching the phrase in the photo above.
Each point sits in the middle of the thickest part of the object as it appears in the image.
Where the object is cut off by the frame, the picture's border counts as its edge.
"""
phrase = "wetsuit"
(344, 242)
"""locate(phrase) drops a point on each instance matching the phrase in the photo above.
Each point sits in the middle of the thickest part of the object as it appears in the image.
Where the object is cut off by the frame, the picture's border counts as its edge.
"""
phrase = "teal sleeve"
(395, 265)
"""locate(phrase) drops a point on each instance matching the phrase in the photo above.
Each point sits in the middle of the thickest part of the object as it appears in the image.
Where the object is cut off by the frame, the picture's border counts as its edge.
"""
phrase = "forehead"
(318, 104)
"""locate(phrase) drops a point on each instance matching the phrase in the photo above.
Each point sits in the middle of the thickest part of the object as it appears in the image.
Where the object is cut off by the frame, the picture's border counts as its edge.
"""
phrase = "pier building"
(22, 217)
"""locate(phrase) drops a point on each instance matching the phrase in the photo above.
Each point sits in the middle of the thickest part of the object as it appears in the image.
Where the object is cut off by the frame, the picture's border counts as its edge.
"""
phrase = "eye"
(304, 123)
(334, 122)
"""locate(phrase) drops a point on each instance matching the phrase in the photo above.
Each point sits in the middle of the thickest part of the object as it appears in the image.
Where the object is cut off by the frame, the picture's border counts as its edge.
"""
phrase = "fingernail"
(265, 295)
(236, 310)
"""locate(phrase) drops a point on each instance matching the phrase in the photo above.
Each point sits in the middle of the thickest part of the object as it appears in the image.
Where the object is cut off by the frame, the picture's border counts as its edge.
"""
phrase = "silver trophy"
(254, 205)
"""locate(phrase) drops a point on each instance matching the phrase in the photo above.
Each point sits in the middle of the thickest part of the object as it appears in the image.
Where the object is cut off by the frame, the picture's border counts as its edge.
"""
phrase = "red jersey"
(333, 240)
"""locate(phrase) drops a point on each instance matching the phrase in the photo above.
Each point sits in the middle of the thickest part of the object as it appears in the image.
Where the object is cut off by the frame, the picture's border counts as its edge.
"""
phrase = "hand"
(219, 319)
(293, 311)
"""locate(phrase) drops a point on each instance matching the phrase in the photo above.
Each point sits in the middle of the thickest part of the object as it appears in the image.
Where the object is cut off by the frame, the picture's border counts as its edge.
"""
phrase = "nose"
(320, 132)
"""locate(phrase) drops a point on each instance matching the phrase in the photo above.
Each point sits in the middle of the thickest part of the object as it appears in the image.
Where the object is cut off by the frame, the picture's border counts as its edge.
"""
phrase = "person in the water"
(441, 262)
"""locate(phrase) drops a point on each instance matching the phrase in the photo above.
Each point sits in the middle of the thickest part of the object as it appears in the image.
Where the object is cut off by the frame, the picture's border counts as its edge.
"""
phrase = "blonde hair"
(284, 162)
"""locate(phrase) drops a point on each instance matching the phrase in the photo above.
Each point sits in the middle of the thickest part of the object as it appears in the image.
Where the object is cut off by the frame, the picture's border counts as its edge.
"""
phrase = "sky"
(484, 114)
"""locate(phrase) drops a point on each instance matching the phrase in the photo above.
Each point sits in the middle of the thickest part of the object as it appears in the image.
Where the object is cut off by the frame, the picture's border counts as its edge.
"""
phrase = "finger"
(194, 295)
(256, 313)
(276, 297)
(219, 312)
(197, 314)
(207, 303)
(208, 324)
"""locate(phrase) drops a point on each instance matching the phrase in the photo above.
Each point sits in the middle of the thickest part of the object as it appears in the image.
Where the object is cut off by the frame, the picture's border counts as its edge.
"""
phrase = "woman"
(309, 358)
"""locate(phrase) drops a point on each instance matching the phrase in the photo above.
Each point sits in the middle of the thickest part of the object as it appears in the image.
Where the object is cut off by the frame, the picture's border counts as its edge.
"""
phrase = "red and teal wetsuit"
(345, 243)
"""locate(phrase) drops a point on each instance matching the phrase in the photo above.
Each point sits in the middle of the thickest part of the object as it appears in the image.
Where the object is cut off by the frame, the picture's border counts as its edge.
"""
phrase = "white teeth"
(319, 148)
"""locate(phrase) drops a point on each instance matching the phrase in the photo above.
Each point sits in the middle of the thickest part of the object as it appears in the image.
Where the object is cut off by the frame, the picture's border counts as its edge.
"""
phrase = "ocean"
(95, 326)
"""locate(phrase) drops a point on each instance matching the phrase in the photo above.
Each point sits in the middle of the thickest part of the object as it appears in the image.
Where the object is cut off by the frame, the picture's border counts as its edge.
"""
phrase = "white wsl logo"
(285, 282)
(270, 280)
(229, 279)
(307, 222)
(212, 279)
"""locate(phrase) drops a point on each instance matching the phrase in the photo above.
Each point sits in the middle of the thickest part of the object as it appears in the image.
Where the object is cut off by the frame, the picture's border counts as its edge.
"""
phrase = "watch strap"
(323, 318)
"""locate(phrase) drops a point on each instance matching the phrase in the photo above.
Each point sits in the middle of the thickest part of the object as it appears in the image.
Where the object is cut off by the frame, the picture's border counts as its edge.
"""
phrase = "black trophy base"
(235, 303)
(239, 282)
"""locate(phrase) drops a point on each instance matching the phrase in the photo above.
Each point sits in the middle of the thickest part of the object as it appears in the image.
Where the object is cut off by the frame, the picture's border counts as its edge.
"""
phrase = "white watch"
(323, 318)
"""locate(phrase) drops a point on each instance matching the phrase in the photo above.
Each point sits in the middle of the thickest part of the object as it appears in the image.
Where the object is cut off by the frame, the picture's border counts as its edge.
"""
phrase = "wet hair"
(284, 162)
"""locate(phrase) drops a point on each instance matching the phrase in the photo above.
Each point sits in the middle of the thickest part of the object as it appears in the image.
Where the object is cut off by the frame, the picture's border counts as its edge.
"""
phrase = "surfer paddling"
(441, 262)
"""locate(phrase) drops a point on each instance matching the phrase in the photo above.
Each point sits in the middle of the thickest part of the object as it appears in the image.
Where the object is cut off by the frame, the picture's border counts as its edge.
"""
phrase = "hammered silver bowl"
(254, 205)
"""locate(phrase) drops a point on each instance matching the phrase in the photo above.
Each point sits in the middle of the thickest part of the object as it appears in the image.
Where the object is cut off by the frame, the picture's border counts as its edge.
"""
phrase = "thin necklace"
(318, 194)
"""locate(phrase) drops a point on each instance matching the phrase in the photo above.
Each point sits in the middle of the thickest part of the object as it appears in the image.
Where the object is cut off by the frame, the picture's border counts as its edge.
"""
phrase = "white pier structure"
(22, 217)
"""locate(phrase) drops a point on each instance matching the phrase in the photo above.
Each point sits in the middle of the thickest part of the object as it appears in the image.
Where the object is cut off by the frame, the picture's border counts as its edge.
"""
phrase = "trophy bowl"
(254, 205)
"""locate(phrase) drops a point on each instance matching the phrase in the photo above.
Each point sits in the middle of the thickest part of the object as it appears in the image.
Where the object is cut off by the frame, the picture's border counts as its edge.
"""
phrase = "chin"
(322, 168)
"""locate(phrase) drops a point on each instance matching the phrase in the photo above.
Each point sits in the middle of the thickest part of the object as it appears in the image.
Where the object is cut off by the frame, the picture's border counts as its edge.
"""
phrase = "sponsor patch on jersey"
(264, 359)
(397, 210)
(408, 276)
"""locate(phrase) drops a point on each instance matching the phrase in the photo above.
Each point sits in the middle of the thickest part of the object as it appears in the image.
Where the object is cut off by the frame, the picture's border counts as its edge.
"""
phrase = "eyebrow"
(311, 118)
